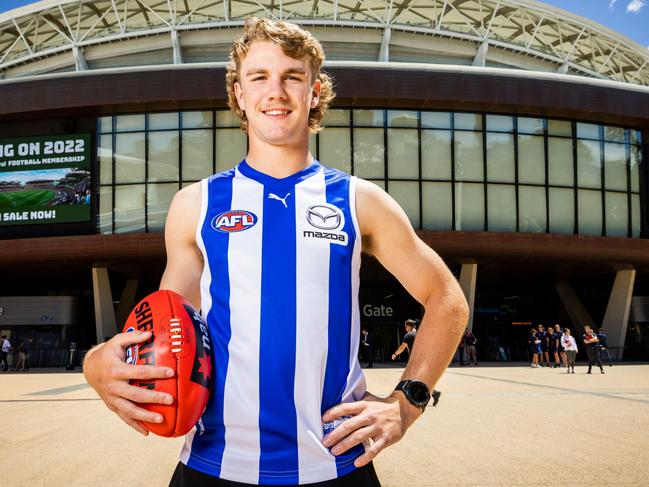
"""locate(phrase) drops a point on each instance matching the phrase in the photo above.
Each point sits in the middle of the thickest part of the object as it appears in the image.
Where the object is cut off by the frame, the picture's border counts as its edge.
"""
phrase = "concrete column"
(616, 318)
(578, 314)
(105, 323)
(126, 302)
(468, 276)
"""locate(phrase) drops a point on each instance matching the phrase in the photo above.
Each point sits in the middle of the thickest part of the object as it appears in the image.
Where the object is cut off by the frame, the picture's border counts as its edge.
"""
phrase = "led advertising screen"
(45, 179)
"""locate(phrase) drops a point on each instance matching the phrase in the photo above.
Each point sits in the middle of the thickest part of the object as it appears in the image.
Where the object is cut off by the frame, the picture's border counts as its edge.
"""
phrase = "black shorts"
(188, 477)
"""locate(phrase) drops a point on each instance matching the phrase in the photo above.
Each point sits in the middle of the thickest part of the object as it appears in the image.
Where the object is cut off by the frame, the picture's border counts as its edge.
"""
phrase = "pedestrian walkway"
(494, 426)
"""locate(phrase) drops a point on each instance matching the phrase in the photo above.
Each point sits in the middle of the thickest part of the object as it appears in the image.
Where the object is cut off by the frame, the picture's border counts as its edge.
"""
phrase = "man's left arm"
(388, 235)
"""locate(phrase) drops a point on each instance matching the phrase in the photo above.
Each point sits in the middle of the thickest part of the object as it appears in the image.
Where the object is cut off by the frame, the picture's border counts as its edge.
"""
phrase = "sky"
(628, 17)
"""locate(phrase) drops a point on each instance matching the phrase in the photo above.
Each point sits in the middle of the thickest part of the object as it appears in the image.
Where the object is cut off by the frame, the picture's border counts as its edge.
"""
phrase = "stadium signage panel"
(45, 179)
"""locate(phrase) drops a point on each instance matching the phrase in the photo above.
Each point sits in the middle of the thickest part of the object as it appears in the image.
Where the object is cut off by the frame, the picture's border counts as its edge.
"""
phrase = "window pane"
(617, 214)
(163, 156)
(127, 123)
(129, 208)
(614, 134)
(587, 131)
(635, 175)
(129, 158)
(500, 158)
(335, 149)
(562, 210)
(407, 195)
(559, 127)
(197, 154)
(589, 164)
(403, 154)
(468, 156)
(469, 206)
(467, 121)
(437, 206)
(436, 154)
(590, 212)
(373, 118)
(530, 125)
(501, 205)
(231, 148)
(195, 119)
(162, 121)
(500, 123)
(531, 209)
(368, 153)
(531, 159)
(105, 124)
(560, 166)
(337, 118)
(615, 166)
(227, 118)
(105, 209)
(402, 118)
(159, 198)
(436, 120)
(635, 215)
(105, 157)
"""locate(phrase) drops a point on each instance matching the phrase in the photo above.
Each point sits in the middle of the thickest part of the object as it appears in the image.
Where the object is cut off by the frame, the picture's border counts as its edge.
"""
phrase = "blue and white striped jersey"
(279, 291)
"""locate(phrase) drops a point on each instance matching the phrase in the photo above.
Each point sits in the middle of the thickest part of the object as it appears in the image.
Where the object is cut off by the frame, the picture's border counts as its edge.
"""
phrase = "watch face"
(418, 391)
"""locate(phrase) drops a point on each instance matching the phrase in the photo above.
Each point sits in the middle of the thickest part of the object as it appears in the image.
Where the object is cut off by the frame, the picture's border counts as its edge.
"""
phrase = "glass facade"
(449, 171)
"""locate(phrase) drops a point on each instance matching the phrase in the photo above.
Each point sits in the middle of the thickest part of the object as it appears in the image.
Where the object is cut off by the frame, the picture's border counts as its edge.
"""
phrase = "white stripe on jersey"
(312, 334)
(241, 395)
(206, 297)
(356, 385)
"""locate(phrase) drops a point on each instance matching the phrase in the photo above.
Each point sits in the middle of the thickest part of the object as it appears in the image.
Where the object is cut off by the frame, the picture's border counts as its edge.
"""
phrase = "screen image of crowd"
(71, 189)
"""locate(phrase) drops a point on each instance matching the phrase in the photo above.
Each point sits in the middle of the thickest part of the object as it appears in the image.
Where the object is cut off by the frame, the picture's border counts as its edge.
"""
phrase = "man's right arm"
(104, 366)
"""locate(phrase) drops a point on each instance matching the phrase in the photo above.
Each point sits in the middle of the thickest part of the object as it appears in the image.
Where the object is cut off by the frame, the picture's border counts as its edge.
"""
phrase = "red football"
(180, 341)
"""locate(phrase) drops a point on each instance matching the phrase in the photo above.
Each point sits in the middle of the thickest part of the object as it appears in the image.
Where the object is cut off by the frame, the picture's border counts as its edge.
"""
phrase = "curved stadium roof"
(67, 35)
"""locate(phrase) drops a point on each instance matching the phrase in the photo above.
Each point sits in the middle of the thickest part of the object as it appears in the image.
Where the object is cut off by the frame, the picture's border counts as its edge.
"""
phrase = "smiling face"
(276, 93)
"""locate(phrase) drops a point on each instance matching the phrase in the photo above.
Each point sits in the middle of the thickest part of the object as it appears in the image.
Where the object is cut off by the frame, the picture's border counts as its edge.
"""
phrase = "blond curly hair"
(295, 43)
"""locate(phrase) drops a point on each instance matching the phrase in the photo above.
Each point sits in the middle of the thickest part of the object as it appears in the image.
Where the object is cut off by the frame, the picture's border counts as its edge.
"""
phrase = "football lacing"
(176, 331)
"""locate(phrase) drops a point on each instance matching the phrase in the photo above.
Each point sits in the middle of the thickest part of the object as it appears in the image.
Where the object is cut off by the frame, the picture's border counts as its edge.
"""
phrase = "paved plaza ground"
(505, 425)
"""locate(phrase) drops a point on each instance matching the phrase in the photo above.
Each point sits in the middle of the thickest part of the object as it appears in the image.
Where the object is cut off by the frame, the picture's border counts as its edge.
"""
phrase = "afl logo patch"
(131, 352)
(234, 221)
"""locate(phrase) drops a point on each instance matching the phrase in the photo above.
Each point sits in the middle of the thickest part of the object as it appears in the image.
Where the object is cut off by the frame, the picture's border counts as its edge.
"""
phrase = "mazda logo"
(324, 217)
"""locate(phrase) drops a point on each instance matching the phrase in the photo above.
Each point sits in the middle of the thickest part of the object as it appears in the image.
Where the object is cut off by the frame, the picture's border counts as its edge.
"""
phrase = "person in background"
(534, 345)
(603, 346)
(592, 349)
(367, 344)
(553, 346)
(542, 335)
(460, 350)
(570, 347)
(469, 342)
(5, 346)
(562, 352)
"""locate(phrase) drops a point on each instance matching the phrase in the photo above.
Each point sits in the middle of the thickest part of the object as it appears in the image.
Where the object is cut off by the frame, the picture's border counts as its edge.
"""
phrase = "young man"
(562, 352)
(280, 294)
(570, 346)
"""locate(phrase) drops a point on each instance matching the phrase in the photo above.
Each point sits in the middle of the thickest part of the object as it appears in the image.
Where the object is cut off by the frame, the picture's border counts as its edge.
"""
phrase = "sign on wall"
(45, 179)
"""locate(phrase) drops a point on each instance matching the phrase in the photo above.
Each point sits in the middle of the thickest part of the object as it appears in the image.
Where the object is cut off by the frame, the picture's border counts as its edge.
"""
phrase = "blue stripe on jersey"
(207, 450)
(278, 417)
(340, 309)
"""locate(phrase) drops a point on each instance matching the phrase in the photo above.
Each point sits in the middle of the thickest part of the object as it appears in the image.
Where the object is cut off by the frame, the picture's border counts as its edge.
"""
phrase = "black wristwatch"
(415, 391)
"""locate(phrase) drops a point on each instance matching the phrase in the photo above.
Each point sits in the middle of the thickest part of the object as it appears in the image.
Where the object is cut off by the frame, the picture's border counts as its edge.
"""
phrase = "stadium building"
(514, 134)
